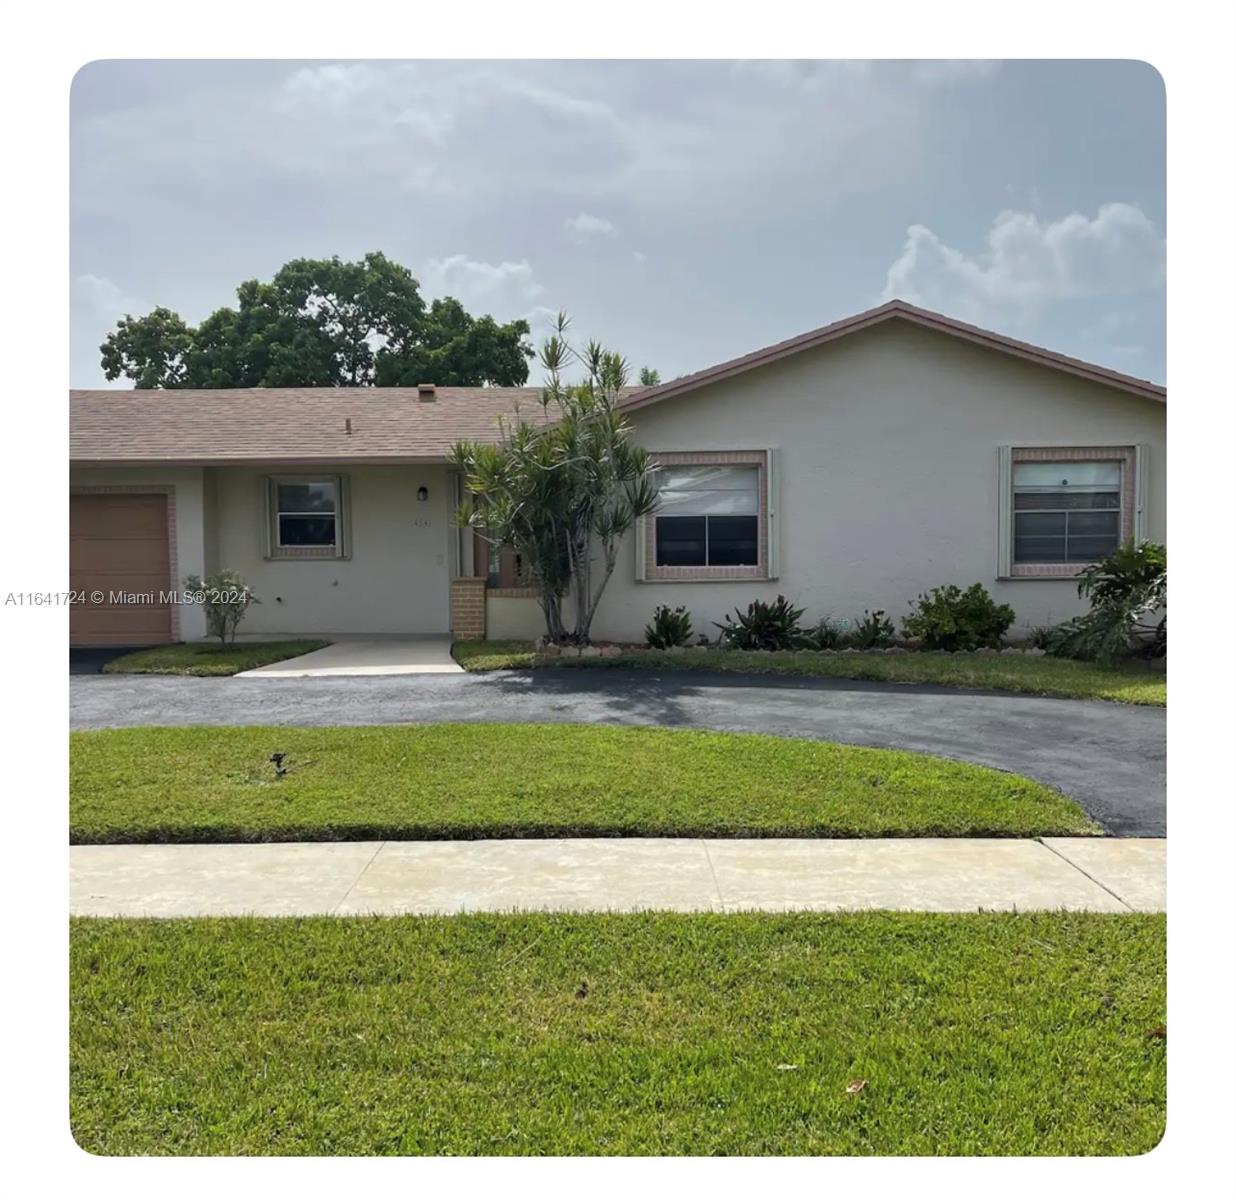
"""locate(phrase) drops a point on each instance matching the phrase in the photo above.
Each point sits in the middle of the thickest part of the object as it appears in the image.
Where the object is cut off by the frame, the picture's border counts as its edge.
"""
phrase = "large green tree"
(322, 323)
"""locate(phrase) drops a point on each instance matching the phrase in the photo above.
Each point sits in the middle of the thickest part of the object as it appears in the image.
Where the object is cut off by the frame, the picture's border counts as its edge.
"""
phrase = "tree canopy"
(322, 323)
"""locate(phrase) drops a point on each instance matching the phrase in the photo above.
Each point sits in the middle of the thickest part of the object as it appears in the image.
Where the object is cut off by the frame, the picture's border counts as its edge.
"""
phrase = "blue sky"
(682, 212)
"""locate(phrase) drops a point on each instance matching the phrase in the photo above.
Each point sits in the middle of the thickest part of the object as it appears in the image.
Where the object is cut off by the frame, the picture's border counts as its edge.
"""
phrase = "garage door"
(118, 546)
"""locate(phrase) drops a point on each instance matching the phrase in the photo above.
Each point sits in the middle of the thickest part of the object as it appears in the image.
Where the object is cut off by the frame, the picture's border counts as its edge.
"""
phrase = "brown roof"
(900, 310)
(236, 425)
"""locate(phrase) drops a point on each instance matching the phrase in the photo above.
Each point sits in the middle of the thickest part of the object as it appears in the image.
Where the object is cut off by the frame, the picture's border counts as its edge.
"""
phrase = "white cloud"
(470, 280)
(1027, 263)
(96, 303)
(586, 226)
(506, 290)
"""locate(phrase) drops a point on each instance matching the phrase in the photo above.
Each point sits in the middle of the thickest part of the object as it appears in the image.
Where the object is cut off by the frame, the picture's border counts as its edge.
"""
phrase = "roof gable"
(899, 310)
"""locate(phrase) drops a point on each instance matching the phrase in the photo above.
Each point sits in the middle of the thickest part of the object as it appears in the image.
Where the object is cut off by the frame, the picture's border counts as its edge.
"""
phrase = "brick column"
(468, 606)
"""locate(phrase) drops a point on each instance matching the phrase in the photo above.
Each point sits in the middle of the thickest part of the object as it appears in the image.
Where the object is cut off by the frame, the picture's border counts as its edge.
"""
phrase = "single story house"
(852, 467)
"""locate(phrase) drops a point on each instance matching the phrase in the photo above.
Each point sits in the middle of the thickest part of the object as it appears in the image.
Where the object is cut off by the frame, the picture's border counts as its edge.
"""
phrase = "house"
(852, 467)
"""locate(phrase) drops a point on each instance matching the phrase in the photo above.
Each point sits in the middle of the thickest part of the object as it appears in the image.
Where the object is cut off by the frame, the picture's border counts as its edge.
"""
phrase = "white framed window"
(306, 516)
(709, 516)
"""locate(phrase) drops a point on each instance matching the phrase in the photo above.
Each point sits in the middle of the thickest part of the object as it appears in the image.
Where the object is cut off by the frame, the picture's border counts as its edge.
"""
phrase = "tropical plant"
(564, 489)
(669, 627)
(1127, 591)
(871, 631)
(225, 597)
(946, 618)
(764, 626)
(827, 634)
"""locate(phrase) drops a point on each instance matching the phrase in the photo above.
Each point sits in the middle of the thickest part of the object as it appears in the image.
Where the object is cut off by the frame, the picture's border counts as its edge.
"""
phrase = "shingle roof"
(237, 425)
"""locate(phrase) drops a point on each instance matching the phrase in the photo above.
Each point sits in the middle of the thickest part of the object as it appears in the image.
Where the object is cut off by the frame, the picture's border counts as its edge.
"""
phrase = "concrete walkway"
(599, 874)
(356, 655)
(1111, 758)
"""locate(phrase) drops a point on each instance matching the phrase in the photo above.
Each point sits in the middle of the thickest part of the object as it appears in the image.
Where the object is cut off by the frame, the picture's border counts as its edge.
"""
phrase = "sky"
(682, 212)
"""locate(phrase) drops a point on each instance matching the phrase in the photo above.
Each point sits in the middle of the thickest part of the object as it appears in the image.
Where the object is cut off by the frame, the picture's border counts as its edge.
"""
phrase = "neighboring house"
(852, 467)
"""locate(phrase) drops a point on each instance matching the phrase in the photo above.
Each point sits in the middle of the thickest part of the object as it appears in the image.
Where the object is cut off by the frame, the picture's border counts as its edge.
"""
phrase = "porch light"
(422, 493)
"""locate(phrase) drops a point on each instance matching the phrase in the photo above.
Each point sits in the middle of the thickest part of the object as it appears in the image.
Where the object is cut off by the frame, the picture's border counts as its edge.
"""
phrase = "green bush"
(871, 631)
(1127, 591)
(765, 626)
(226, 598)
(669, 627)
(827, 635)
(946, 618)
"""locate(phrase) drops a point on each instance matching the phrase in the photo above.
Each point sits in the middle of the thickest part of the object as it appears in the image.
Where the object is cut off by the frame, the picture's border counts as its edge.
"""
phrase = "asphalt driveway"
(1111, 758)
(90, 660)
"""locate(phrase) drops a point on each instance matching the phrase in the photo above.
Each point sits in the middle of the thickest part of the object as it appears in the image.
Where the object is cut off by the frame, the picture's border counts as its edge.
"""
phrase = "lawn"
(1127, 682)
(466, 781)
(620, 1034)
(208, 658)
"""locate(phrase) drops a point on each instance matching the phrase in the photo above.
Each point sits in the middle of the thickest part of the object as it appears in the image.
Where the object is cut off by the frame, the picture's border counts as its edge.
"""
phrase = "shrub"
(226, 598)
(871, 630)
(946, 618)
(827, 635)
(1126, 590)
(764, 626)
(669, 627)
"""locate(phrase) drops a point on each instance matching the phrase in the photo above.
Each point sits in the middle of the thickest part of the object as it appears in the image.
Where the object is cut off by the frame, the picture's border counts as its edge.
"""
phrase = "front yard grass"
(471, 781)
(1127, 682)
(993, 1034)
(208, 658)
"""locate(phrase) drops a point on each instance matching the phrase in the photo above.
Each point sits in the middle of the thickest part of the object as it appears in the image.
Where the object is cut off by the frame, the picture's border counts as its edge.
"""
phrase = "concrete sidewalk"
(354, 654)
(598, 874)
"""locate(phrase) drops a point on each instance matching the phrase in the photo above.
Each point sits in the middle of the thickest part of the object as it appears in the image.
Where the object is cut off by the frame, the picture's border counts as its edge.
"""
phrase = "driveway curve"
(1111, 758)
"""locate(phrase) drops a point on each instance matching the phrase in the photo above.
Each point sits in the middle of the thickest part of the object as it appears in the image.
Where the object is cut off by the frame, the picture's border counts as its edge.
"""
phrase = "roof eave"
(351, 458)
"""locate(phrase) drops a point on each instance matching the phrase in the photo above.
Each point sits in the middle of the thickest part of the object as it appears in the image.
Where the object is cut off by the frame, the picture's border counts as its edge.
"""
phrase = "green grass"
(1005, 1034)
(208, 658)
(466, 781)
(493, 656)
(1127, 682)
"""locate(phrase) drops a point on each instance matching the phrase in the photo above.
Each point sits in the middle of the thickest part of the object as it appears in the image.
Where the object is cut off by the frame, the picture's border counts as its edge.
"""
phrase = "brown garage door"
(118, 546)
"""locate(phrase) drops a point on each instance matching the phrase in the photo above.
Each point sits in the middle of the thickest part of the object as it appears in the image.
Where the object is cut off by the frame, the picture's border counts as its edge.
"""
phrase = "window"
(1065, 512)
(709, 516)
(306, 516)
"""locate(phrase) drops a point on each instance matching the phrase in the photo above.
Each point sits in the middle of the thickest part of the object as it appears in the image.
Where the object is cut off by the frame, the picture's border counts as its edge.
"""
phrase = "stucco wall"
(188, 490)
(395, 581)
(886, 471)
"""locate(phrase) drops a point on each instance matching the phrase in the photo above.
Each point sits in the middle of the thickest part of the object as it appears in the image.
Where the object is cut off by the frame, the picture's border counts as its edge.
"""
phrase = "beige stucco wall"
(885, 447)
(886, 467)
(187, 484)
(396, 579)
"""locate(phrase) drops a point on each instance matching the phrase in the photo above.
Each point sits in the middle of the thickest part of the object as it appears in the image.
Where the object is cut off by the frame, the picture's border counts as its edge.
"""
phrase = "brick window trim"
(1126, 456)
(144, 489)
(651, 573)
